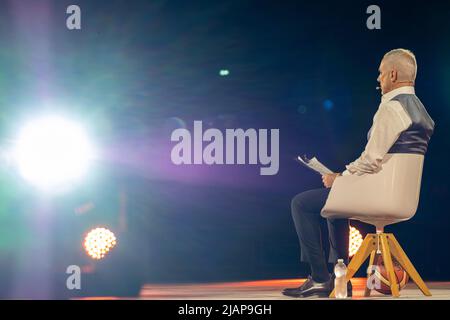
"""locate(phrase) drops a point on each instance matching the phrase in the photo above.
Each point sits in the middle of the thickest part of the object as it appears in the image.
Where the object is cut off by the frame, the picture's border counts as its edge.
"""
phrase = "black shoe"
(297, 288)
(310, 288)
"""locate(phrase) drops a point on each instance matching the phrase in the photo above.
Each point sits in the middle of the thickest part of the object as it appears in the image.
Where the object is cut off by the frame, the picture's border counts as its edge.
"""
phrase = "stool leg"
(404, 261)
(389, 265)
(369, 273)
(358, 259)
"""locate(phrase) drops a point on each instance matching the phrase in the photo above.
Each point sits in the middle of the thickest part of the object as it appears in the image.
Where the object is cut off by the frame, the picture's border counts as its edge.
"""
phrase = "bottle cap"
(340, 260)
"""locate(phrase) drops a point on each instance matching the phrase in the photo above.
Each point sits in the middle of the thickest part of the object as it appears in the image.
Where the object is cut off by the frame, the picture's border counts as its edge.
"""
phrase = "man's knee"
(309, 202)
(298, 203)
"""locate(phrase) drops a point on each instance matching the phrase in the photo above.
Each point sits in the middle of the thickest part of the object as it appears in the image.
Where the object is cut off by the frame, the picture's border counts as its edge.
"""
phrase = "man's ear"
(394, 76)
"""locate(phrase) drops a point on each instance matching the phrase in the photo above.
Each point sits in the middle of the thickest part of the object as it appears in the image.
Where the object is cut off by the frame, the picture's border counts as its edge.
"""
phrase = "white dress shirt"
(390, 120)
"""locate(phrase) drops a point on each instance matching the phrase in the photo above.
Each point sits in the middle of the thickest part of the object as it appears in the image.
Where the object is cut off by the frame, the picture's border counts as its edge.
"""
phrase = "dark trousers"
(306, 207)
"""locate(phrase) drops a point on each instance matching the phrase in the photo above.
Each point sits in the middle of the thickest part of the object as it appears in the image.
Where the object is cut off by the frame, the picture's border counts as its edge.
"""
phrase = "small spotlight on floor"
(99, 242)
(52, 152)
(355, 241)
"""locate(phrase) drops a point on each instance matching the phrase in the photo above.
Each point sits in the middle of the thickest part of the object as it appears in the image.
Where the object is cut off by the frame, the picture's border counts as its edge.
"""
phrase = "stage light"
(355, 241)
(224, 72)
(98, 242)
(52, 152)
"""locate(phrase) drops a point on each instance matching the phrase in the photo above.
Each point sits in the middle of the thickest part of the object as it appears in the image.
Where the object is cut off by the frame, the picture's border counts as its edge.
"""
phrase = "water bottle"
(340, 284)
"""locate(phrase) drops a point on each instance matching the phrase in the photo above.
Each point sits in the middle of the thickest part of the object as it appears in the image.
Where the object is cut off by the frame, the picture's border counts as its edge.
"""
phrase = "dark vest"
(414, 139)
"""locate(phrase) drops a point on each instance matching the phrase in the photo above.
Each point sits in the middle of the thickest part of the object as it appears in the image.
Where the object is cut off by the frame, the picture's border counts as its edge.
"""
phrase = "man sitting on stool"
(400, 125)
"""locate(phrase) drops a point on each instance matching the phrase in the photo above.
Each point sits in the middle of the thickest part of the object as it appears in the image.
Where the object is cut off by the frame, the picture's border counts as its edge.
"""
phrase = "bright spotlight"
(355, 241)
(52, 152)
(99, 242)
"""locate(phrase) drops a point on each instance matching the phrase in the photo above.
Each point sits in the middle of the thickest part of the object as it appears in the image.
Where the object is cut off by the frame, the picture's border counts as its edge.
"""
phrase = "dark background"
(139, 69)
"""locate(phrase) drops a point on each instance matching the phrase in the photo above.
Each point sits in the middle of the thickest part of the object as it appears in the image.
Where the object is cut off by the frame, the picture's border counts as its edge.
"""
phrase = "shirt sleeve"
(388, 123)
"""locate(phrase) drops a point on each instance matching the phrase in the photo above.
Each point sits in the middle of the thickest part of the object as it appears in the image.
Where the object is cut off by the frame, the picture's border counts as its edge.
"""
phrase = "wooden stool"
(389, 247)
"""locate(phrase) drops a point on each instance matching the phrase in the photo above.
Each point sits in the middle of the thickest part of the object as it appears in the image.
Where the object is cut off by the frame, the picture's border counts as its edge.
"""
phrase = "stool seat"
(389, 196)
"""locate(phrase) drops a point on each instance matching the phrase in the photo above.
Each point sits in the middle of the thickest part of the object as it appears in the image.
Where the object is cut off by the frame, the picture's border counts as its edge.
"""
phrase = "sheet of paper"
(315, 165)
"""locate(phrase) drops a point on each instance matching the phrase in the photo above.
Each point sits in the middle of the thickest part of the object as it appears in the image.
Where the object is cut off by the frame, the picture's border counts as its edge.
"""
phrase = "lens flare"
(99, 242)
(52, 152)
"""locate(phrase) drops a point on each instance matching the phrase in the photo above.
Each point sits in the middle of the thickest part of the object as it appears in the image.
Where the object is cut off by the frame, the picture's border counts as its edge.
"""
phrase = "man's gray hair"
(404, 61)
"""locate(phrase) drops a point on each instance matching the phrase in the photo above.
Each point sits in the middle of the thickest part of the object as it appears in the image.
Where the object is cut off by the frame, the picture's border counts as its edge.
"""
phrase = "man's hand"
(328, 179)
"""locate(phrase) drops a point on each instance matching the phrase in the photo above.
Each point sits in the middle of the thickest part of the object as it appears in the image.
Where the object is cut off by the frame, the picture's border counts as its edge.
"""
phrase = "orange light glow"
(355, 241)
(99, 242)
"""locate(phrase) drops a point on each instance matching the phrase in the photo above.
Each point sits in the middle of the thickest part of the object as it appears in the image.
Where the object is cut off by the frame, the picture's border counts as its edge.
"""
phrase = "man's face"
(385, 78)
